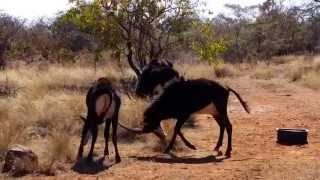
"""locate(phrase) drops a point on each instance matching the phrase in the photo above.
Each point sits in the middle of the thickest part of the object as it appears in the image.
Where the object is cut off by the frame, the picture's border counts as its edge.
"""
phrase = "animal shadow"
(91, 167)
(173, 159)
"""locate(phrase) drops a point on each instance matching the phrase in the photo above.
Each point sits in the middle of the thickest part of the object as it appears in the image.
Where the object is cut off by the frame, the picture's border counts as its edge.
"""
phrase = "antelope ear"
(83, 118)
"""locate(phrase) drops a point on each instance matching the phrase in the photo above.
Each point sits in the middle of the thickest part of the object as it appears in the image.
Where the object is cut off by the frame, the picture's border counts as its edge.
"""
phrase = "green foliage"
(268, 29)
(90, 19)
(141, 30)
(206, 46)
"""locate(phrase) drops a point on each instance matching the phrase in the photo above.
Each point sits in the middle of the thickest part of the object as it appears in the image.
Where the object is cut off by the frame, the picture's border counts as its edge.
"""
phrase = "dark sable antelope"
(155, 64)
(103, 105)
(179, 98)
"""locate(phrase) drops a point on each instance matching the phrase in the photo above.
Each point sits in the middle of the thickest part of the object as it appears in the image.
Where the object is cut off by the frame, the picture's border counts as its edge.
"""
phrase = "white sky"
(33, 9)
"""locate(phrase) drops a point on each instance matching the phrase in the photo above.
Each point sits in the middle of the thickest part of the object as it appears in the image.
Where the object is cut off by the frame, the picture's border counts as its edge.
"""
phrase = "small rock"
(20, 160)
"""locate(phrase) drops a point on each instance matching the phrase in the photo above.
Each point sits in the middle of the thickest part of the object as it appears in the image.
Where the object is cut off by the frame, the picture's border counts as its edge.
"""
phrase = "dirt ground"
(256, 155)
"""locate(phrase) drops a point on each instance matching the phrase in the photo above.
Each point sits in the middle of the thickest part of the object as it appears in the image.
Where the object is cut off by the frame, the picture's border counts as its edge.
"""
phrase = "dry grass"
(193, 71)
(311, 80)
(45, 110)
(305, 72)
(225, 70)
(59, 148)
(131, 115)
(264, 72)
(8, 135)
(202, 70)
(7, 87)
(47, 106)
(49, 99)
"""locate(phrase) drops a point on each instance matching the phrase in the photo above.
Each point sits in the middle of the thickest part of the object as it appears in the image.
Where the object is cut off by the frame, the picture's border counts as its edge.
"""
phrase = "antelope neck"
(159, 89)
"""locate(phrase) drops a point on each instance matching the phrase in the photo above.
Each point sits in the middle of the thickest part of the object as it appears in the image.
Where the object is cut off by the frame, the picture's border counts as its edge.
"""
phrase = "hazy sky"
(32, 9)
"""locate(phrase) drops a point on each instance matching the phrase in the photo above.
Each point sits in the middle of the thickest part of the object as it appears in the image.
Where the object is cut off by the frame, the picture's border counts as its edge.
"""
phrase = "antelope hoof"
(219, 153)
(193, 147)
(79, 157)
(89, 159)
(105, 157)
(228, 154)
(118, 159)
(167, 152)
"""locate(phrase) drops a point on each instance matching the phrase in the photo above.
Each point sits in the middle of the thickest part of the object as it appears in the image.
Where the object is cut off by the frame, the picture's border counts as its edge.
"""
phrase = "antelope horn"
(158, 132)
(129, 95)
(169, 63)
(134, 130)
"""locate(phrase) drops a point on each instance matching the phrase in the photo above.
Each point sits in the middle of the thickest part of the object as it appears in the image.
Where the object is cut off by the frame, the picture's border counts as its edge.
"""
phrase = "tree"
(240, 19)
(311, 12)
(269, 29)
(142, 30)
(206, 45)
(9, 27)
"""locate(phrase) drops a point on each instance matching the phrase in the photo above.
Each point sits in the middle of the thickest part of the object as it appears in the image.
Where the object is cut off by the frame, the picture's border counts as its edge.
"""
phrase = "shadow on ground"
(172, 159)
(91, 167)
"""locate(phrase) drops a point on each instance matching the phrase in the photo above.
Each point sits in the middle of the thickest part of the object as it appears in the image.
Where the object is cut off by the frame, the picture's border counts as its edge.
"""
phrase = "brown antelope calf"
(103, 105)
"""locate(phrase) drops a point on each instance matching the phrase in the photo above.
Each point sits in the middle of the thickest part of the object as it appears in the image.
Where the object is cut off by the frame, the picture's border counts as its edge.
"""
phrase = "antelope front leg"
(82, 142)
(106, 137)
(94, 131)
(186, 142)
(176, 131)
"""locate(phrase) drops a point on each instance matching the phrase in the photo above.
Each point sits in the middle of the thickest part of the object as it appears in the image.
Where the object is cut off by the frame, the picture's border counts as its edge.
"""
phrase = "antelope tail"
(243, 103)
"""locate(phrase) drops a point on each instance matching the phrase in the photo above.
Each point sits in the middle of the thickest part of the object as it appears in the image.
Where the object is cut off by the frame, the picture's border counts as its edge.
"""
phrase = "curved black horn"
(129, 95)
(134, 130)
(169, 63)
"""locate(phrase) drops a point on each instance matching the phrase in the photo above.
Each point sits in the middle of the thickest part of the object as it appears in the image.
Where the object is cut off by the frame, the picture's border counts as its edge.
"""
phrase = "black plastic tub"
(292, 136)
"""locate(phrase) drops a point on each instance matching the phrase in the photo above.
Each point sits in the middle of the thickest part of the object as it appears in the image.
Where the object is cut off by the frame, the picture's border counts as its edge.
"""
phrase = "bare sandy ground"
(256, 155)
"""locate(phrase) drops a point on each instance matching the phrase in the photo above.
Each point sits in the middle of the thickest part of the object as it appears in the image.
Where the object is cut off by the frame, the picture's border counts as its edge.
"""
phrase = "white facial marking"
(159, 89)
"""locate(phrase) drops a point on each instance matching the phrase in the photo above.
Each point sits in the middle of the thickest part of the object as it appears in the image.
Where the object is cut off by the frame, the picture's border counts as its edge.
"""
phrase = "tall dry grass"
(305, 71)
(8, 135)
(47, 100)
(46, 108)
(203, 70)
(264, 71)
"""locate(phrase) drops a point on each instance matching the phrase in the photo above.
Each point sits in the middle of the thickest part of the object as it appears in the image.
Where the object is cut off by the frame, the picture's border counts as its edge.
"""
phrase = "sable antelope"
(155, 64)
(103, 105)
(179, 98)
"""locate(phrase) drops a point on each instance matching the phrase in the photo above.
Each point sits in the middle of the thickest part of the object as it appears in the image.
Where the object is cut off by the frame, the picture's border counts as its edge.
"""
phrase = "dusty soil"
(256, 155)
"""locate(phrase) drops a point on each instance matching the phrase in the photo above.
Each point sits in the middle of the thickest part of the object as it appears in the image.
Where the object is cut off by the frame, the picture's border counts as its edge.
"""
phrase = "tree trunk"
(130, 60)
(3, 47)
(2, 62)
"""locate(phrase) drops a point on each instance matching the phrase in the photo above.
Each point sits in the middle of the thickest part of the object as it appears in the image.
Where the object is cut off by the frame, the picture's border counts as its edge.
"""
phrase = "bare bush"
(224, 70)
